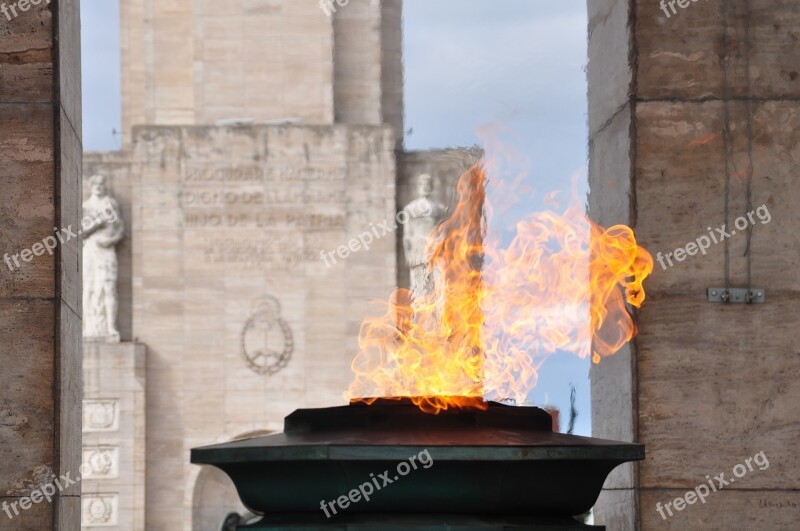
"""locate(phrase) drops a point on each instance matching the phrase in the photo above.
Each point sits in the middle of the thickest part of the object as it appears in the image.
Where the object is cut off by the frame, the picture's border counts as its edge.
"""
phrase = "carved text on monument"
(256, 174)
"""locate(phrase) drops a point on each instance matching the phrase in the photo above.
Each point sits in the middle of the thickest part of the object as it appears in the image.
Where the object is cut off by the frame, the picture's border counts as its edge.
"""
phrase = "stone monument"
(102, 229)
(422, 216)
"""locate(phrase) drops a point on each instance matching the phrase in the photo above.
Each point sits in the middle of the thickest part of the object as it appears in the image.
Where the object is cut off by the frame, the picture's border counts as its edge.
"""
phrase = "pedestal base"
(114, 435)
(422, 522)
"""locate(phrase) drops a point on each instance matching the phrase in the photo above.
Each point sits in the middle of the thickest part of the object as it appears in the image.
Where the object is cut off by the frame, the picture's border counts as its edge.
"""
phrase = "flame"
(560, 285)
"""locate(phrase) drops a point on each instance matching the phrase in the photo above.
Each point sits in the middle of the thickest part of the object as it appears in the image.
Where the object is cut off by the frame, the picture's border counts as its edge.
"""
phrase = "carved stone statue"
(102, 230)
(422, 216)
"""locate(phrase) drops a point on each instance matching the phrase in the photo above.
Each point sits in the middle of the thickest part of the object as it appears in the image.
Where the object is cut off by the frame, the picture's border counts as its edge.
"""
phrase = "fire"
(560, 285)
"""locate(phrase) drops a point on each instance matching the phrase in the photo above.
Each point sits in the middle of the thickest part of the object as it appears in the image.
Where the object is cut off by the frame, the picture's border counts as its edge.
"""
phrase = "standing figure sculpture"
(422, 216)
(102, 230)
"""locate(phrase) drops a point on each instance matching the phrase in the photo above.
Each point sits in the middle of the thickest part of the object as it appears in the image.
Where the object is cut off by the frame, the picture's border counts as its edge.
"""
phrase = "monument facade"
(252, 143)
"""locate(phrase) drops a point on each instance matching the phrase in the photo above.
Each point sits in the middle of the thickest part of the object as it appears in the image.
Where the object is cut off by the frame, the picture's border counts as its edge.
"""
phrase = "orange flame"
(561, 284)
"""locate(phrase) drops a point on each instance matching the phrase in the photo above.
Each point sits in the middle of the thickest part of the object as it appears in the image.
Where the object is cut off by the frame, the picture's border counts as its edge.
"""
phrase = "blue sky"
(468, 63)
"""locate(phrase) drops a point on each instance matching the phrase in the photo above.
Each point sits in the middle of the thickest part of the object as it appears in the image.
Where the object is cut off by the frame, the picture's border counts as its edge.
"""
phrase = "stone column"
(40, 313)
(368, 64)
(694, 123)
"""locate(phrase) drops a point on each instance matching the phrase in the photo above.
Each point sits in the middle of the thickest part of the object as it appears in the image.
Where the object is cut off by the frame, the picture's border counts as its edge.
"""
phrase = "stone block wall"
(193, 63)
(680, 106)
(40, 301)
(188, 62)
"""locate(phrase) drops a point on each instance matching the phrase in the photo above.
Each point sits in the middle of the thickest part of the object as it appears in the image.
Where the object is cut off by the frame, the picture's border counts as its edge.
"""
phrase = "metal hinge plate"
(736, 295)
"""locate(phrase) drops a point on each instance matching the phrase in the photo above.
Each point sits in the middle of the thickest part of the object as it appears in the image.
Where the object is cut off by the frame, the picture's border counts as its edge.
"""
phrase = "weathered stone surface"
(726, 509)
(681, 56)
(368, 64)
(693, 374)
(613, 391)
(614, 509)
(27, 405)
(39, 309)
(609, 70)
(69, 391)
(681, 145)
(69, 68)
(291, 42)
(68, 513)
(776, 245)
(680, 185)
(26, 164)
(774, 56)
(357, 75)
(38, 517)
(392, 77)
(610, 168)
(26, 56)
(69, 187)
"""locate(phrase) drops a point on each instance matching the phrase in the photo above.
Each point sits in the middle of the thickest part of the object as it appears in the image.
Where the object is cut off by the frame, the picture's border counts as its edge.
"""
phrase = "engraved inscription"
(257, 174)
(278, 253)
(239, 174)
(783, 504)
(264, 219)
(285, 173)
(216, 198)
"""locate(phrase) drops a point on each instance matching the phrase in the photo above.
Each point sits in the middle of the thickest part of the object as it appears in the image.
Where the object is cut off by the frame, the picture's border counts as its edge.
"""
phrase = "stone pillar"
(368, 64)
(40, 312)
(682, 105)
(184, 63)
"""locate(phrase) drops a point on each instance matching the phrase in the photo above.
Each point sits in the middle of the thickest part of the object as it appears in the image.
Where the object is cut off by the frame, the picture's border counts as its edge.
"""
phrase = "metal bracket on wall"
(737, 295)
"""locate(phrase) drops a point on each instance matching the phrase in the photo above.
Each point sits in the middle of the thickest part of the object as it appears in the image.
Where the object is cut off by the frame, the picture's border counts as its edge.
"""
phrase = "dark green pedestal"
(456, 470)
(422, 522)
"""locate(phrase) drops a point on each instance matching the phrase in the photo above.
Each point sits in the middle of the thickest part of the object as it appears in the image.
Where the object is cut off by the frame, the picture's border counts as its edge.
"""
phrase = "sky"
(516, 66)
